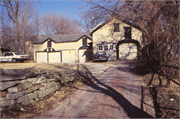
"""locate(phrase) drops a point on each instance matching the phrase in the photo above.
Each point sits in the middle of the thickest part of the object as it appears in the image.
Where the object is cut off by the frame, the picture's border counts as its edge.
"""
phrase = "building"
(119, 38)
(69, 48)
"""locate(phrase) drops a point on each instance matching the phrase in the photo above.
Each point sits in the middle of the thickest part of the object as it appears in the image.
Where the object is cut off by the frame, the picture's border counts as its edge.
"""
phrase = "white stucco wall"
(62, 46)
(106, 33)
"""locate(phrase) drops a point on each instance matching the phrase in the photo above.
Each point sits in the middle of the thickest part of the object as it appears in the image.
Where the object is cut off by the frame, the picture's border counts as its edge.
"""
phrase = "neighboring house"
(120, 39)
(68, 48)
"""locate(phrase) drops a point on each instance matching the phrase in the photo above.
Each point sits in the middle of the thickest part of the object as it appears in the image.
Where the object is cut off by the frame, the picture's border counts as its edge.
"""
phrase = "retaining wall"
(25, 86)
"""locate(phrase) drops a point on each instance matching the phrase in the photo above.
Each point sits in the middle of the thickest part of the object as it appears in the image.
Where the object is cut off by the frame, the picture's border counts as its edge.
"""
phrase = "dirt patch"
(38, 108)
(165, 99)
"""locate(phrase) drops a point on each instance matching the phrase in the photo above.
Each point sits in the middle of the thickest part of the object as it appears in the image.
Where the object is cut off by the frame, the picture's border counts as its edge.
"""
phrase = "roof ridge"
(67, 34)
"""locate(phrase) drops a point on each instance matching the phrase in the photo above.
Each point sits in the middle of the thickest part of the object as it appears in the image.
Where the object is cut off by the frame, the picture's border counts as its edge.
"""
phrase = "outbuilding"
(61, 48)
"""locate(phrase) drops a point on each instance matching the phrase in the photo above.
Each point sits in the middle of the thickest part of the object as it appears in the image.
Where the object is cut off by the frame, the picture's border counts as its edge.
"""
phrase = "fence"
(169, 74)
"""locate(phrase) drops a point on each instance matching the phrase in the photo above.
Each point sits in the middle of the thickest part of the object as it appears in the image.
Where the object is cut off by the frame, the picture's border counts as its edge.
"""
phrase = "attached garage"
(68, 56)
(48, 57)
(82, 55)
(127, 51)
(54, 57)
(41, 57)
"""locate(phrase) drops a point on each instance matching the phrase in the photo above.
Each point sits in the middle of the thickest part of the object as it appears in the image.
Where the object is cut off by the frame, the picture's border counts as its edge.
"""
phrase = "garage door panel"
(54, 57)
(41, 57)
(82, 56)
(68, 56)
(128, 51)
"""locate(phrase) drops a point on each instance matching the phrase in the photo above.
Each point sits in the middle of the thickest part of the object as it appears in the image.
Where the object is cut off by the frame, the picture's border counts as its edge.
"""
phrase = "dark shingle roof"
(61, 38)
(124, 21)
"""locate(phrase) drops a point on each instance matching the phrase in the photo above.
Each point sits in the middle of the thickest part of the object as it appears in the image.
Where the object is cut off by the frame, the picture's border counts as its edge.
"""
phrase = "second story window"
(127, 32)
(49, 44)
(84, 41)
(116, 27)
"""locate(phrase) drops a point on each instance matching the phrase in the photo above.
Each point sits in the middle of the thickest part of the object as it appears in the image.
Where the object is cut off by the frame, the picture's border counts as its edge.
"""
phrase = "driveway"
(111, 92)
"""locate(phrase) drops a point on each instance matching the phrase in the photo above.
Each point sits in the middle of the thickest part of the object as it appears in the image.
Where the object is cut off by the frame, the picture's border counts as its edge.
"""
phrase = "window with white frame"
(100, 47)
(111, 47)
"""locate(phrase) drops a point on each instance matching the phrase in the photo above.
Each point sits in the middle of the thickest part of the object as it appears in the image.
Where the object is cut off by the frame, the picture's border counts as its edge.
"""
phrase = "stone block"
(42, 88)
(13, 89)
(3, 99)
(3, 93)
(28, 102)
(34, 87)
(28, 79)
(42, 94)
(24, 86)
(14, 72)
(25, 98)
(36, 94)
(11, 77)
(37, 80)
(16, 95)
(46, 81)
(47, 92)
(1, 71)
(56, 87)
(32, 74)
(49, 85)
(5, 85)
(7, 103)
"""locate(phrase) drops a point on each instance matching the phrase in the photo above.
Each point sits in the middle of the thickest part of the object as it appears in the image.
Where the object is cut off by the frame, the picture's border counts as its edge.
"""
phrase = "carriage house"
(120, 39)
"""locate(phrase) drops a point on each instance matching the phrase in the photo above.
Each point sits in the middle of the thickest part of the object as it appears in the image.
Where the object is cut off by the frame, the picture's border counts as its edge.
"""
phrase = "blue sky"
(68, 7)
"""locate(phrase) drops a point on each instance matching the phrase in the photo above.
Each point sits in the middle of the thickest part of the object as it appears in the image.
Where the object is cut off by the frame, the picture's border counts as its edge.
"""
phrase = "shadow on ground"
(135, 67)
(131, 110)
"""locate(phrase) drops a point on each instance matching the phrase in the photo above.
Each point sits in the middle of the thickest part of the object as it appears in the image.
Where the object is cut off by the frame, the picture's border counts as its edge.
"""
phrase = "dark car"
(100, 56)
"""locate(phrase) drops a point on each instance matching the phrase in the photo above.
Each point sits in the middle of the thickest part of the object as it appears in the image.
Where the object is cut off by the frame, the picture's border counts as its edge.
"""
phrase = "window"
(7, 54)
(106, 47)
(127, 32)
(100, 47)
(111, 47)
(84, 41)
(10, 54)
(49, 44)
(116, 27)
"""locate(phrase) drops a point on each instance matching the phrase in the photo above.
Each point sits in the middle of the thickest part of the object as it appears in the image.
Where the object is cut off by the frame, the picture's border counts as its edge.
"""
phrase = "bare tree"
(18, 26)
(53, 24)
(158, 20)
(12, 8)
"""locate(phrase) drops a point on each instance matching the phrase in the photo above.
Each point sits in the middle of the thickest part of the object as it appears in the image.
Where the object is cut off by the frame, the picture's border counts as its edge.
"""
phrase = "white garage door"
(41, 57)
(68, 56)
(127, 51)
(82, 56)
(54, 57)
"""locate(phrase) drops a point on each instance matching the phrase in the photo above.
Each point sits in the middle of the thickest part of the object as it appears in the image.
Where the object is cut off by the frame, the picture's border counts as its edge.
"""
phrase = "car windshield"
(17, 53)
(100, 53)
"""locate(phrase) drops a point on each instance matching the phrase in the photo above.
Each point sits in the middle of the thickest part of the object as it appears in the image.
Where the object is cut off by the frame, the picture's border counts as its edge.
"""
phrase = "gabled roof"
(61, 38)
(124, 21)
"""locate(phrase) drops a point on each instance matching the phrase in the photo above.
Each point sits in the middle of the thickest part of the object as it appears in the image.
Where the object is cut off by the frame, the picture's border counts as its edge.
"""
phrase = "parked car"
(13, 57)
(100, 56)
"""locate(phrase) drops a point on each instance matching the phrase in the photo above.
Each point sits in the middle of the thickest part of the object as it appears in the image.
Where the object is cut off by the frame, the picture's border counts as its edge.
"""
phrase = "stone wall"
(25, 86)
